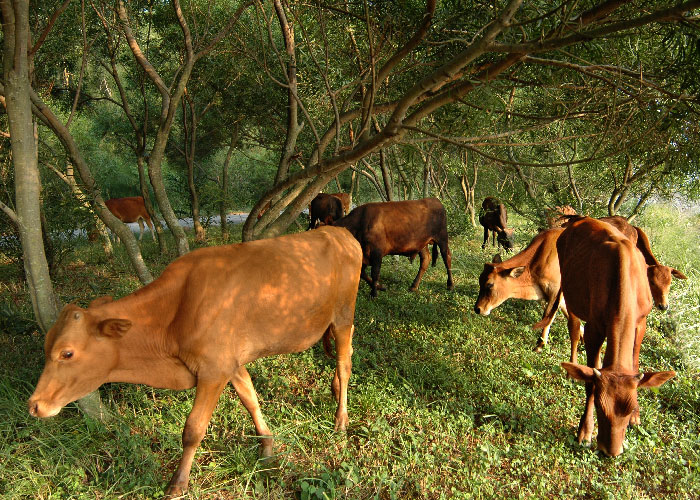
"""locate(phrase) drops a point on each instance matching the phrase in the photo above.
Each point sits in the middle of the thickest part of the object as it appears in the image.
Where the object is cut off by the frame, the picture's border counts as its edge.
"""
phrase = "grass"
(442, 403)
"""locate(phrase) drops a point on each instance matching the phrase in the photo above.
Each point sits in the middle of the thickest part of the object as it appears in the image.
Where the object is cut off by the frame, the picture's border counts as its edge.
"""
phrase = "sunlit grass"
(442, 403)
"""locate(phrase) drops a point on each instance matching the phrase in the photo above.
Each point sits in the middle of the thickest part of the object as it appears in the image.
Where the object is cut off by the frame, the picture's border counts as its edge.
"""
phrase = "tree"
(403, 80)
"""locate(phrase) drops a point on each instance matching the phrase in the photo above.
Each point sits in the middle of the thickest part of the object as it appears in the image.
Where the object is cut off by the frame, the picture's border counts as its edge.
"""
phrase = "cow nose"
(662, 307)
(477, 309)
(33, 408)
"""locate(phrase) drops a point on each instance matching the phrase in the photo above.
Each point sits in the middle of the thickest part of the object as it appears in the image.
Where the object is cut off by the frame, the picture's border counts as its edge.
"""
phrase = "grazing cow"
(210, 313)
(533, 274)
(604, 283)
(324, 209)
(345, 200)
(494, 217)
(659, 276)
(131, 209)
(556, 217)
(399, 228)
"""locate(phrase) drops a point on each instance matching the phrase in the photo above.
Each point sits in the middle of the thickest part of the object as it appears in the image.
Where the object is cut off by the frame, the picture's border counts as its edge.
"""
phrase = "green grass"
(442, 403)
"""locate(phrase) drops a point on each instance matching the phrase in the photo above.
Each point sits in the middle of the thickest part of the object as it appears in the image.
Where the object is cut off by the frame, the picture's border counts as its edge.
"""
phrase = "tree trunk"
(385, 176)
(223, 206)
(160, 234)
(24, 157)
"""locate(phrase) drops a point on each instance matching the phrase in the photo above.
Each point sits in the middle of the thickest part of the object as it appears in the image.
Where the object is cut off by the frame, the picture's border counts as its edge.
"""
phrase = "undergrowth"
(442, 403)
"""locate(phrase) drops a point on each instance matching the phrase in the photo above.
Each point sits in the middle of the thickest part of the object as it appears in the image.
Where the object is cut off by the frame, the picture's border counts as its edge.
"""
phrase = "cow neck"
(147, 354)
(621, 330)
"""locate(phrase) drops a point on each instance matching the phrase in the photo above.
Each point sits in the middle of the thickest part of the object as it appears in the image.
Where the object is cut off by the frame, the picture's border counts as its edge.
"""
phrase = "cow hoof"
(175, 491)
(413, 289)
(450, 286)
(266, 447)
(381, 288)
(539, 347)
(341, 422)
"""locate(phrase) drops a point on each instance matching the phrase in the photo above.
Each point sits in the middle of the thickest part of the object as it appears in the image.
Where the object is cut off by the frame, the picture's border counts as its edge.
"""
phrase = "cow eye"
(66, 354)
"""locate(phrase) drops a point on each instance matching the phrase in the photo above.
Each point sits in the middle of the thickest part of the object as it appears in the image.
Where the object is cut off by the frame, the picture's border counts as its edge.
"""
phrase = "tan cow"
(532, 274)
(604, 283)
(210, 313)
(131, 209)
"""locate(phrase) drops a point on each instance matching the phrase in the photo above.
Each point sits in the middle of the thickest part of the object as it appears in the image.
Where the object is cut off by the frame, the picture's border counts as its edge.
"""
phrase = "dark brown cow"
(532, 274)
(604, 283)
(494, 218)
(659, 276)
(210, 313)
(399, 228)
(556, 217)
(324, 209)
(345, 200)
(131, 209)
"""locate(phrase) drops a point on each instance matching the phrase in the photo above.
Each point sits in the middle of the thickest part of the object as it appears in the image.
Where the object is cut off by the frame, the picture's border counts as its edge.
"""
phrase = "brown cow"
(532, 274)
(659, 276)
(345, 200)
(131, 209)
(556, 217)
(210, 313)
(399, 228)
(324, 209)
(494, 217)
(604, 283)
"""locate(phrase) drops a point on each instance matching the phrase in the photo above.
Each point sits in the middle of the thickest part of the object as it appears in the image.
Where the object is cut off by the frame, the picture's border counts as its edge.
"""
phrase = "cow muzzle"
(662, 307)
(481, 311)
(41, 409)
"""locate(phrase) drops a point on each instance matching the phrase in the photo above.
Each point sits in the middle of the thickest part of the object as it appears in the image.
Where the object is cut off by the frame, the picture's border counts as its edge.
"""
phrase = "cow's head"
(495, 284)
(505, 238)
(81, 350)
(660, 283)
(615, 398)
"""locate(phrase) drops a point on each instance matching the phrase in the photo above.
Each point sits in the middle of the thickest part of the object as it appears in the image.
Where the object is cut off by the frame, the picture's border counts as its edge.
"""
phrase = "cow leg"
(246, 393)
(575, 334)
(544, 336)
(593, 342)
(141, 228)
(375, 260)
(153, 230)
(424, 255)
(208, 392)
(447, 259)
(486, 238)
(343, 370)
(641, 329)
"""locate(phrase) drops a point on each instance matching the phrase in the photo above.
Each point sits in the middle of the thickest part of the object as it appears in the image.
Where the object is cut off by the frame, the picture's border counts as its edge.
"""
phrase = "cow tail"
(327, 347)
(435, 254)
(548, 313)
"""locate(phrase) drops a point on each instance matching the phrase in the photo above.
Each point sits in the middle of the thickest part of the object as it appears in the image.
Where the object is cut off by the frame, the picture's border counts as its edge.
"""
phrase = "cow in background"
(399, 228)
(604, 284)
(131, 209)
(345, 200)
(494, 218)
(211, 312)
(557, 216)
(324, 209)
(532, 274)
(660, 276)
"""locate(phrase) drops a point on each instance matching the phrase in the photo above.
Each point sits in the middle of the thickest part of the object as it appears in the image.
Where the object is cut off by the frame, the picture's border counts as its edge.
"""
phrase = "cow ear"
(100, 301)
(579, 372)
(113, 327)
(655, 379)
(497, 259)
(517, 271)
(677, 274)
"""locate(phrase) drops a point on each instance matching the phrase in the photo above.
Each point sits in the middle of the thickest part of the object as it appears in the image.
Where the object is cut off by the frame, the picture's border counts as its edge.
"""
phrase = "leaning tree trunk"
(223, 206)
(162, 246)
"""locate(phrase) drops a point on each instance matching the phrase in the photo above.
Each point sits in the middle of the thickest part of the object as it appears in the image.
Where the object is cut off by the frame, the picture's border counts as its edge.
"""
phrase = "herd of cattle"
(216, 309)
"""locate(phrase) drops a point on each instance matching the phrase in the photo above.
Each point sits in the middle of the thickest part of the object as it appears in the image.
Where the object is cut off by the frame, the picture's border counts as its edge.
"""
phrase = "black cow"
(324, 209)
(494, 218)
(399, 228)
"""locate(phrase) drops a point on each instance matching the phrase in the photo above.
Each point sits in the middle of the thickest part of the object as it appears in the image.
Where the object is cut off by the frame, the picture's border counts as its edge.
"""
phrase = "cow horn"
(597, 373)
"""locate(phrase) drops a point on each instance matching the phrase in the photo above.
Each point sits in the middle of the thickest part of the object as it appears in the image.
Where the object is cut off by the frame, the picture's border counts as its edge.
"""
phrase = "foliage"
(442, 403)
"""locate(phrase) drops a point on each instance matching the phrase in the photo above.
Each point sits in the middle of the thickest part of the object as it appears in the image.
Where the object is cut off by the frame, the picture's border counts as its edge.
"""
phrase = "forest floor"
(442, 403)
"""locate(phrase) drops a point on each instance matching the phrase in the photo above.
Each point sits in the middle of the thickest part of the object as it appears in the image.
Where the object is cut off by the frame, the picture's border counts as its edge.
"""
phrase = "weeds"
(442, 403)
